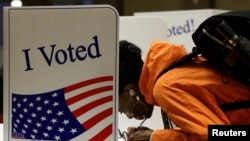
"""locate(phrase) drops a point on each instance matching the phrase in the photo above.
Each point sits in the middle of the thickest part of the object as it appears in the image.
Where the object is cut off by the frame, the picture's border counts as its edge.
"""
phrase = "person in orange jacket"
(189, 94)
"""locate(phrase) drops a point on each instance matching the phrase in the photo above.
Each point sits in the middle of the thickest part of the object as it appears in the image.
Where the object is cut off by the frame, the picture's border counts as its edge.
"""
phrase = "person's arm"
(146, 134)
(190, 107)
(170, 135)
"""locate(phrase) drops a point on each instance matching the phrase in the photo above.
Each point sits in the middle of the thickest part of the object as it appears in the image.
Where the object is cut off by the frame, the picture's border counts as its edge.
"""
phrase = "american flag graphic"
(83, 109)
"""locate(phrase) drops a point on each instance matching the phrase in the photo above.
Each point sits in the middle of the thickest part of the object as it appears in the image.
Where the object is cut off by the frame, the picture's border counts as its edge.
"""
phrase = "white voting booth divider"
(1, 132)
(60, 68)
(142, 31)
(182, 23)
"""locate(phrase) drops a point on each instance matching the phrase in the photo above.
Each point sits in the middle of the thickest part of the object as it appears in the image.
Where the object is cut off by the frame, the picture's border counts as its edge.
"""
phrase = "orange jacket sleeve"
(191, 102)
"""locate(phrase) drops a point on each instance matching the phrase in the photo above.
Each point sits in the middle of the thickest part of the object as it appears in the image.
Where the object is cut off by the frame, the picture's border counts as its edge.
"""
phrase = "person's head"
(131, 101)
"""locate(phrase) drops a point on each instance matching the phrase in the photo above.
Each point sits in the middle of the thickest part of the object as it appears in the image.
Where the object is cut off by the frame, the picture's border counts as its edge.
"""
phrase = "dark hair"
(130, 64)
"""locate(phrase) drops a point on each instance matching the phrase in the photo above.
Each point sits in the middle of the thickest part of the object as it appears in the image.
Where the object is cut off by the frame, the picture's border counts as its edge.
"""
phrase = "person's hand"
(139, 134)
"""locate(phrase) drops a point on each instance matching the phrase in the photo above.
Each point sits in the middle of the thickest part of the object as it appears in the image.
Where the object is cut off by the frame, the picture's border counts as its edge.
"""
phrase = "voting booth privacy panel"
(142, 31)
(181, 24)
(1, 132)
(60, 68)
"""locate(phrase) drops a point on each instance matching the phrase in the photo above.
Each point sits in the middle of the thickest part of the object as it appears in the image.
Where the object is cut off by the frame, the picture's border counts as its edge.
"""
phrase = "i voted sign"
(186, 27)
(61, 56)
(60, 70)
(181, 24)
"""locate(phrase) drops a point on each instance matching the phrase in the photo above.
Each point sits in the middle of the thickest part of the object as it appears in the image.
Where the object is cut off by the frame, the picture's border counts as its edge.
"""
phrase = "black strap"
(179, 62)
(166, 121)
(235, 105)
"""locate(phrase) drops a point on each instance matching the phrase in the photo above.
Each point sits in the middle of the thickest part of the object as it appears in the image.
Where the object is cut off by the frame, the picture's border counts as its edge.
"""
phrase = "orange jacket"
(189, 94)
